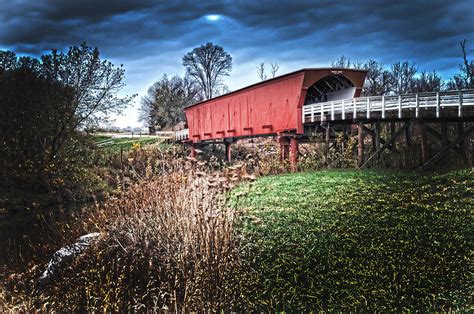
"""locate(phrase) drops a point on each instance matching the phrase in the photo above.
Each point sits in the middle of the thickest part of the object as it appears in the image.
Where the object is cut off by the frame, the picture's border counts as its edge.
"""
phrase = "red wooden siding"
(269, 107)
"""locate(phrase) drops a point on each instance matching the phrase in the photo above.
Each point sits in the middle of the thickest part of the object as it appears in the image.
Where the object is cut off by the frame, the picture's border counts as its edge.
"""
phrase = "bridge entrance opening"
(329, 88)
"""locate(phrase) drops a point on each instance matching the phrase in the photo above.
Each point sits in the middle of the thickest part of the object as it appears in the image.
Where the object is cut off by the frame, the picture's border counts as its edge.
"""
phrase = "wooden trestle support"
(412, 116)
(372, 142)
(289, 149)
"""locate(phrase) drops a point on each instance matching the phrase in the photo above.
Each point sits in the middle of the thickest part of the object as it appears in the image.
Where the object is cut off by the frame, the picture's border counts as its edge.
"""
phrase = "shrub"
(262, 156)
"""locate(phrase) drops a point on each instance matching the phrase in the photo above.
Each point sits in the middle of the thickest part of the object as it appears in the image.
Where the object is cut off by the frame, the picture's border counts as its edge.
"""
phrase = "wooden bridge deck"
(452, 104)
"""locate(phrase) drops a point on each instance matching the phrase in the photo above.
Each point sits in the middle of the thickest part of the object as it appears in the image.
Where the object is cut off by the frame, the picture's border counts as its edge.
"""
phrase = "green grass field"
(358, 240)
(115, 144)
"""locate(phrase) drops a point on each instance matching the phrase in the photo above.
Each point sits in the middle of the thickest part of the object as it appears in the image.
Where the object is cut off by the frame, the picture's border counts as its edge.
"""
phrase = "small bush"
(262, 156)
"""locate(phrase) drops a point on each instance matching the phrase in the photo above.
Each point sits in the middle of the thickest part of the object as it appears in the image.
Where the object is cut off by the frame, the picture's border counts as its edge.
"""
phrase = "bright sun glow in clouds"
(213, 17)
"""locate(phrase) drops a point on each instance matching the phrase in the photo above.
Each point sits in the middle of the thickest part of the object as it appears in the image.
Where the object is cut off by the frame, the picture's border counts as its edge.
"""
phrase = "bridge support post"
(360, 145)
(228, 151)
(377, 135)
(392, 132)
(462, 143)
(193, 152)
(328, 136)
(408, 134)
(294, 154)
(284, 148)
(444, 134)
(372, 133)
(424, 143)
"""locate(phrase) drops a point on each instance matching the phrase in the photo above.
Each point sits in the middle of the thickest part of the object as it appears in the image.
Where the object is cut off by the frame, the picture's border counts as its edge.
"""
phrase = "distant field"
(359, 240)
(125, 143)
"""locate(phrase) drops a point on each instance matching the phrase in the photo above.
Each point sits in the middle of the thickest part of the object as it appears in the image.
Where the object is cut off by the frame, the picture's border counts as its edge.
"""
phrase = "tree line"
(207, 65)
(404, 77)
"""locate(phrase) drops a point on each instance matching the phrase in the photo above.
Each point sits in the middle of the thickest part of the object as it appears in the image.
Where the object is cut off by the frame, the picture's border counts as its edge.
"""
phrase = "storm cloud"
(150, 37)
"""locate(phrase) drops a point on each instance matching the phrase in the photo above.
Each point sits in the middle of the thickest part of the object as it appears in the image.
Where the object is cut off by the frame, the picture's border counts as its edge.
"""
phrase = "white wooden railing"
(158, 134)
(182, 135)
(164, 134)
(398, 106)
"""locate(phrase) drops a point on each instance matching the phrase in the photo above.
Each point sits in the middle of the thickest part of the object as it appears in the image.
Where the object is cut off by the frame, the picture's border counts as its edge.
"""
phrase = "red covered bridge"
(271, 107)
(295, 105)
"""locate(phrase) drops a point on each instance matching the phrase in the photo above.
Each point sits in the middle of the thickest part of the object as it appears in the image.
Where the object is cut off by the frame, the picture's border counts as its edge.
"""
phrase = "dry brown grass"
(168, 239)
(168, 243)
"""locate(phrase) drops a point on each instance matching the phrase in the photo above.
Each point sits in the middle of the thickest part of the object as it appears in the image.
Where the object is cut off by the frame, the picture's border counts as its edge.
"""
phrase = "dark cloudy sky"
(150, 37)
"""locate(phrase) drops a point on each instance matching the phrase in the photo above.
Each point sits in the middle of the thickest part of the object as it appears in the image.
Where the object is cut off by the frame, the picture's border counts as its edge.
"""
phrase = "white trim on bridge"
(421, 105)
(158, 134)
(182, 135)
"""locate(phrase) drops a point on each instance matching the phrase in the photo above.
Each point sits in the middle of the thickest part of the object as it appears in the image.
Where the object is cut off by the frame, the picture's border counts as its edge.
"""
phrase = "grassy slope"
(359, 240)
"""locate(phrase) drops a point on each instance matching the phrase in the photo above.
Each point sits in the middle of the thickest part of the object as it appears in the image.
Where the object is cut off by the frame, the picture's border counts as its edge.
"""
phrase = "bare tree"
(403, 76)
(261, 71)
(358, 65)
(464, 79)
(467, 68)
(378, 80)
(373, 79)
(274, 68)
(341, 62)
(427, 82)
(208, 64)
